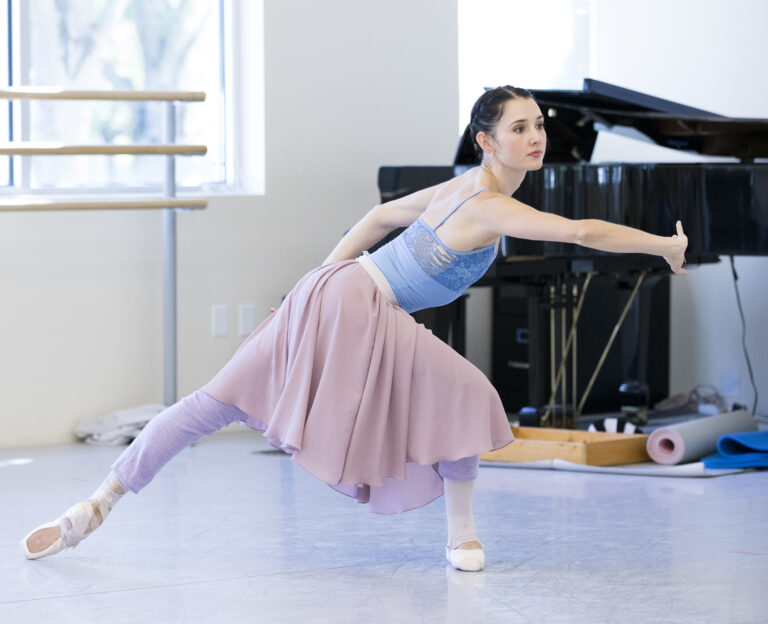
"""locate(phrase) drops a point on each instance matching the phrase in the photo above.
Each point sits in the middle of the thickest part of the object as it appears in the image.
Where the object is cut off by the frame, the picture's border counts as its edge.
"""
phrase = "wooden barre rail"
(26, 148)
(168, 204)
(55, 93)
(34, 205)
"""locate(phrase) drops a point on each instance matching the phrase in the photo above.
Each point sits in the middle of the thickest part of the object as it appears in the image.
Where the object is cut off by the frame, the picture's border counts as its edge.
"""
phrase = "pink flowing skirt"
(362, 396)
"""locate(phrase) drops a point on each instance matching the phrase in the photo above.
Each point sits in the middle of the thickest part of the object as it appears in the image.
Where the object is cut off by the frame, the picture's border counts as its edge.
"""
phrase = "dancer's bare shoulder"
(503, 215)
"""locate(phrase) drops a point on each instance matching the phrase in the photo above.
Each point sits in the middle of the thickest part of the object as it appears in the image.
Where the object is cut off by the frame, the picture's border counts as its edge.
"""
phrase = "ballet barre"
(169, 204)
(56, 93)
(23, 148)
(41, 205)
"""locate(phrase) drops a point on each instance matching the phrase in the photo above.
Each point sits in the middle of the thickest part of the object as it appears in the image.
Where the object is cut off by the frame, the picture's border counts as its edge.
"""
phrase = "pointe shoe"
(72, 527)
(466, 559)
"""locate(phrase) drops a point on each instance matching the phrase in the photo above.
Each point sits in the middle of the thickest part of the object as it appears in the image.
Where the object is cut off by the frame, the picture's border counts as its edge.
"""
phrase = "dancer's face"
(519, 139)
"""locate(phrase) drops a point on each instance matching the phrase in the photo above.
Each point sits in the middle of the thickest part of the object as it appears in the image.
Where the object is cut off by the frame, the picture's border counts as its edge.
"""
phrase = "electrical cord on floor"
(744, 334)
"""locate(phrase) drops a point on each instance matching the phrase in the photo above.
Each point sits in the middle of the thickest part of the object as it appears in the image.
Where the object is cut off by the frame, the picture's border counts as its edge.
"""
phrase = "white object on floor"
(119, 427)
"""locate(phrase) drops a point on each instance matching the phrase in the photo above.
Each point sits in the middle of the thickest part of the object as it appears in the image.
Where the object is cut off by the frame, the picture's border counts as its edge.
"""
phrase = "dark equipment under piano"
(538, 288)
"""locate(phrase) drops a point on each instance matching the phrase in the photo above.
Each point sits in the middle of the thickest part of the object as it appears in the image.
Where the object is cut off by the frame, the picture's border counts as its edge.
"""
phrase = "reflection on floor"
(233, 532)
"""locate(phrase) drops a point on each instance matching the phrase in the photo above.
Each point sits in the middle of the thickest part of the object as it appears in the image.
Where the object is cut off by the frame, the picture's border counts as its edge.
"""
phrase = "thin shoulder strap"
(459, 205)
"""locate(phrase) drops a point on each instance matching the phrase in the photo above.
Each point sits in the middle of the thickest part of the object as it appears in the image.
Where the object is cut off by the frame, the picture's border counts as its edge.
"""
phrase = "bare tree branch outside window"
(125, 45)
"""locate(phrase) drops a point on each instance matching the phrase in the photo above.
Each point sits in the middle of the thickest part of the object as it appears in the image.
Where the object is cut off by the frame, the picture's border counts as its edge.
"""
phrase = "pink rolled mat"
(692, 440)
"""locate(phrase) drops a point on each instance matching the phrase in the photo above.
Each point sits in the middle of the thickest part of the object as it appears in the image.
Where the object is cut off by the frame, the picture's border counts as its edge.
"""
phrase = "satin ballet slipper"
(72, 527)
(466, 559)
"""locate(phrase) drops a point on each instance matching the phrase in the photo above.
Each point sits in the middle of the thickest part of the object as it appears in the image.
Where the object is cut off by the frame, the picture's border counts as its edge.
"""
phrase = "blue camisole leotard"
(423, 272)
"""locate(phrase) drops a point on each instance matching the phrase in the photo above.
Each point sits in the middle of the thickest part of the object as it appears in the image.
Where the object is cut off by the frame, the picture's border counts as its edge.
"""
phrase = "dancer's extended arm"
(505, 215)
(379, 222)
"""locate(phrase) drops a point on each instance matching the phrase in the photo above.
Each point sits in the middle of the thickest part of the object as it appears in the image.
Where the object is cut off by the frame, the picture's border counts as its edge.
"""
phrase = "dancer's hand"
(676, 259)
(272, 310)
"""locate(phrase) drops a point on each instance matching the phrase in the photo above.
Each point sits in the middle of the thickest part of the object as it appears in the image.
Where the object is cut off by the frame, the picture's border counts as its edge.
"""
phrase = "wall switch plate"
(218, 321)
(729, 384)
(246, 313)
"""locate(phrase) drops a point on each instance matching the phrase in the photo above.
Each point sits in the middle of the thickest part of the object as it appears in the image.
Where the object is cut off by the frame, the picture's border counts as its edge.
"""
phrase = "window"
(522, 44)
(115, 45)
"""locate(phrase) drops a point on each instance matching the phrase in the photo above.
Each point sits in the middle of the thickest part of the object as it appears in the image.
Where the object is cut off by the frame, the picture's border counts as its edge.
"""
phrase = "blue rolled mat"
(740, 450)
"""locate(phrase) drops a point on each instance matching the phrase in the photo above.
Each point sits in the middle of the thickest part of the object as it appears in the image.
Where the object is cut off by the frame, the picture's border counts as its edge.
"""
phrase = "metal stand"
(557, 374)
(170, 339)
(567, 346)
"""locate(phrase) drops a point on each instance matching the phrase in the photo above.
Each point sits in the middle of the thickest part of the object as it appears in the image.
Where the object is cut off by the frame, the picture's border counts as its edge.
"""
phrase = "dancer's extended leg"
(166, 434)
(463, 550)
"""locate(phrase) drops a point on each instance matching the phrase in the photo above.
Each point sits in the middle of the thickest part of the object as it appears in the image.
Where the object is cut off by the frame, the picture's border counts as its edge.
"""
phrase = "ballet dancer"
(340, 375)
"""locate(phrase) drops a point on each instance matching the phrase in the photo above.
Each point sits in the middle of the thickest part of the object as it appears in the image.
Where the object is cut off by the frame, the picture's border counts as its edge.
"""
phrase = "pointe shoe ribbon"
(466, 559)
(74, 526)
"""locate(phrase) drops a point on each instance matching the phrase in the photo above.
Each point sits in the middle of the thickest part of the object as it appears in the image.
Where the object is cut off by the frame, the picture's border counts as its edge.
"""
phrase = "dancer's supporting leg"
(166, 434)
(463, 550)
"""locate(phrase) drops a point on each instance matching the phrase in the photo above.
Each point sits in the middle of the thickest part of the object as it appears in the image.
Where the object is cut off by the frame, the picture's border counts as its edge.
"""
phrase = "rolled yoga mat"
(690, 441)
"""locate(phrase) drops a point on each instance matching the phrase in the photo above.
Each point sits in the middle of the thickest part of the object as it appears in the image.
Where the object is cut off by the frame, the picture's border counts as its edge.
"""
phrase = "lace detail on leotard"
(453, 269)
(423, 272)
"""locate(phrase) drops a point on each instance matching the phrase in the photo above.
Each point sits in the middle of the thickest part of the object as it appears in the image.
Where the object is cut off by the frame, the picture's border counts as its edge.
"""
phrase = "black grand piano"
(579, 331)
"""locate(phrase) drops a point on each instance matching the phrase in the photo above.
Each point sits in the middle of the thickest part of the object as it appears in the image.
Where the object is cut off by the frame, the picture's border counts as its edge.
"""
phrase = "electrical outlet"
(219, 321)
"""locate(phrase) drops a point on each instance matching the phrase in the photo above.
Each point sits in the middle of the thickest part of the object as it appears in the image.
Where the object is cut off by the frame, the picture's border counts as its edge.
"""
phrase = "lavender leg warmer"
(169, 432)
(464, 469)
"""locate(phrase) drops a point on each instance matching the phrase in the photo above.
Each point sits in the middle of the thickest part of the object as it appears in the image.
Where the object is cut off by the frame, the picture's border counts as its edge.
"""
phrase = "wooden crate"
(581, 447)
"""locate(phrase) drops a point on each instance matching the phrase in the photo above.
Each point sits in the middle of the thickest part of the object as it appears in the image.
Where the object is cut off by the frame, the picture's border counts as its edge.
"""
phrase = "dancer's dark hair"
(490, 107)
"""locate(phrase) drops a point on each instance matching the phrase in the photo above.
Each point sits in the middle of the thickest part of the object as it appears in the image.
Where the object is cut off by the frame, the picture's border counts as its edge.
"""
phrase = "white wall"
(349, 86)
(712, 56)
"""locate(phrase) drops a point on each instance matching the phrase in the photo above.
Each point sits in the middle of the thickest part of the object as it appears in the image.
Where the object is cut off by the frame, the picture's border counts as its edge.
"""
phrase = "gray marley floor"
(233, 532)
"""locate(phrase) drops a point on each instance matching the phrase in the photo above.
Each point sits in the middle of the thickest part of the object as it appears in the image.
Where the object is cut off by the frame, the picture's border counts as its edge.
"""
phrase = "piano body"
(556, 306)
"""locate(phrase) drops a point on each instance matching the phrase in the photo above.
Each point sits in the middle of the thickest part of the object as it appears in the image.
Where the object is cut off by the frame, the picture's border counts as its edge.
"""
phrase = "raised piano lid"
(574, 118)
(598, 94)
